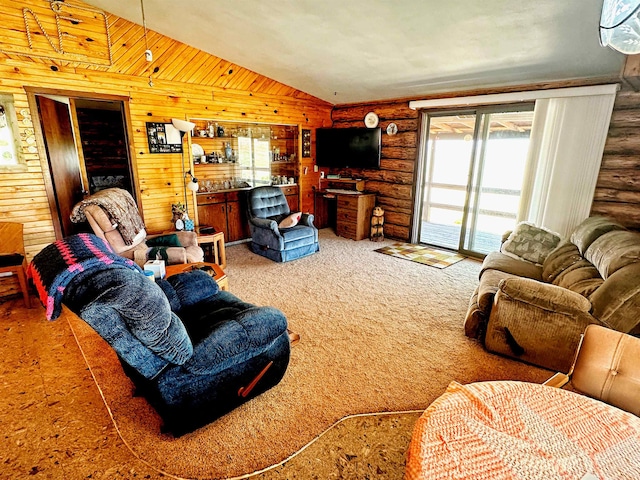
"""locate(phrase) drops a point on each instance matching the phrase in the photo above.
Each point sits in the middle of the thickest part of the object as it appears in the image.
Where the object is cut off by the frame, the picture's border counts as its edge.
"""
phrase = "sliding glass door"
(474, 165)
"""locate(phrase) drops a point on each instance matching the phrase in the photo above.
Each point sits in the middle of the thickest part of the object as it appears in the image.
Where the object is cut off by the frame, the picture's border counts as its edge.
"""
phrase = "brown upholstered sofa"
(538, 312)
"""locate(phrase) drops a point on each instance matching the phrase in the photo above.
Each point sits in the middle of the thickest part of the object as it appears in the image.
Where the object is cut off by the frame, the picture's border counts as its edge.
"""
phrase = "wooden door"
(214, 215)
(235, 221)
(63, 159)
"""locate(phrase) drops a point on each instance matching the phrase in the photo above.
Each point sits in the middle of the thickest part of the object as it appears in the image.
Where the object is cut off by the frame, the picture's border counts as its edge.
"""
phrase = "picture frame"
(163, 138)
(306, 143)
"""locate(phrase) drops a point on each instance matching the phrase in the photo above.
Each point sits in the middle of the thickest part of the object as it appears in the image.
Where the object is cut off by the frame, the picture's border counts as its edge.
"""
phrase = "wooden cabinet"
(237, 222)
(291, 194)
(225, 211)
(233, 153)
(353, 215)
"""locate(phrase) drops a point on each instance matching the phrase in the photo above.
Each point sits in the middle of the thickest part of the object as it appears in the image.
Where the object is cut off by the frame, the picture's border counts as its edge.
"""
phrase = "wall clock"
(371, 120)
(392, 129)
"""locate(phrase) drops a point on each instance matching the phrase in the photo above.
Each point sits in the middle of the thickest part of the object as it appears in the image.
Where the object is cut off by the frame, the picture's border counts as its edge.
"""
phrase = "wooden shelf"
(346, 183)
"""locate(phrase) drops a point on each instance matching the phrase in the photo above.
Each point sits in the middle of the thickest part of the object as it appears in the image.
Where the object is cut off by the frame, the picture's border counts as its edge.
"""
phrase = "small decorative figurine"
(178, 212)
(377, 221)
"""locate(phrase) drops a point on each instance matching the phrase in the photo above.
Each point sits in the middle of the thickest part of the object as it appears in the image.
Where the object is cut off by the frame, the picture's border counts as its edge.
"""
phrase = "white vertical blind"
(567, 142)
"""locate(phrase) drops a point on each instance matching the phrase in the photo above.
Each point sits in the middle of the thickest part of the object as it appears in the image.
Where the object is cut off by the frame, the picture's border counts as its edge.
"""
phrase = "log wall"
(393, 184)
(618, 188)
(617, 192)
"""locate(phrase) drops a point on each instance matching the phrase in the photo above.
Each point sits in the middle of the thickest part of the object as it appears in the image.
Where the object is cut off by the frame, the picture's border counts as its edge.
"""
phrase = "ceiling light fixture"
(620, 26)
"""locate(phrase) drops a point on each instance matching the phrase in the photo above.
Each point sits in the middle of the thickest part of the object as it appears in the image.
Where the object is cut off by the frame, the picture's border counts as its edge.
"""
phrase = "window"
(10, 150)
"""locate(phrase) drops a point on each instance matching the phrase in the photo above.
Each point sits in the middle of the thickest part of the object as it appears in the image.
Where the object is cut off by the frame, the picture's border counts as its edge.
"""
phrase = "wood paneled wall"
(186, 83)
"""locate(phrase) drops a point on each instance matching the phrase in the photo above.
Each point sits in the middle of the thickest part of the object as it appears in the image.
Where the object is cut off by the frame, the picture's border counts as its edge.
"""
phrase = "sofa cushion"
(581, 277)
(188, 288)
(617, 302)
(614, 250)
(561, 258)
(140, 327)
(590, 230)
(531, 243)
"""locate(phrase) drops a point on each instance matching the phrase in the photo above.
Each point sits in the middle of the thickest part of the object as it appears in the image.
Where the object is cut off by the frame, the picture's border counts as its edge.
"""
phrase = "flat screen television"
(355, 147)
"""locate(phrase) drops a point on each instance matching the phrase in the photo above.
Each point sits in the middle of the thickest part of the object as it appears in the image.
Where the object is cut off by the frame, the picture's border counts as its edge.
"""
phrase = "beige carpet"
(378, 335)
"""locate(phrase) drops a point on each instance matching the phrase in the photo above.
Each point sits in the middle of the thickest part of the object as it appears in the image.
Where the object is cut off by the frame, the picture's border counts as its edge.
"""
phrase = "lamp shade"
(193, 185)
(182, 125)
(620, 26)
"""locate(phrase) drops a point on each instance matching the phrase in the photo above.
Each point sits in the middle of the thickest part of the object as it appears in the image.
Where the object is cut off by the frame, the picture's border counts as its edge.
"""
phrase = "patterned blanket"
(118, 204)
(506, 430)
(58, 263)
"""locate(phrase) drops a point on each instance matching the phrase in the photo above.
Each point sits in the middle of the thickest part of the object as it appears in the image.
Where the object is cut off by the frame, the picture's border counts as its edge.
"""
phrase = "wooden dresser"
(353, 215)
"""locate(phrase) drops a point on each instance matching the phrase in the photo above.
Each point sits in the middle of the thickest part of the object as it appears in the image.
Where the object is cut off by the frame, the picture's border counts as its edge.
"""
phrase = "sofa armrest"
(265, 223)
(545, 296)
(537, 323)
(307, 219)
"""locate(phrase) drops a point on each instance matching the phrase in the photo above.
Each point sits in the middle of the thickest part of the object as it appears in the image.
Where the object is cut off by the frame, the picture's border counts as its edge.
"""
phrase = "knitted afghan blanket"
(58, 263)
(119, 205)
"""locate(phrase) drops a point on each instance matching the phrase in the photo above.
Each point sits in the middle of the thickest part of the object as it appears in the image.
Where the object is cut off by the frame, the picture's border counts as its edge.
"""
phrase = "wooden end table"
(220, 277)
(214, 242)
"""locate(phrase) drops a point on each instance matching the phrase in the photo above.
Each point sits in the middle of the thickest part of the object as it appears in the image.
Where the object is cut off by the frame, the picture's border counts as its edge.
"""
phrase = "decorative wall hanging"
(371, 120)
(306, 143)
(58, 30)
(163, 138)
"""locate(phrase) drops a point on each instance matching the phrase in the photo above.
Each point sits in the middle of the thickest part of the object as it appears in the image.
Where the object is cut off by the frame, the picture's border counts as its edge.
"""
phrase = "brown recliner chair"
(112, 214)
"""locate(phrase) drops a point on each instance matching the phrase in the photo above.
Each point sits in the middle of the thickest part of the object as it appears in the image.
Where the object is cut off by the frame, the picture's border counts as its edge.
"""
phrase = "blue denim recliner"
(193, 351)
(267, 207)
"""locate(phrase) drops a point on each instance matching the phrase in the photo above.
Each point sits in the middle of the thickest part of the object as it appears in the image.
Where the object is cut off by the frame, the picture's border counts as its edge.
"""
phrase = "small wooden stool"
(214, 243)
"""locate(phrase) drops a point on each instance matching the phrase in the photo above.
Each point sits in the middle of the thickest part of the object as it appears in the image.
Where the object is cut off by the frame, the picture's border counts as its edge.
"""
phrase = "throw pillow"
(164, 241)
(530, 243)
(290, 221)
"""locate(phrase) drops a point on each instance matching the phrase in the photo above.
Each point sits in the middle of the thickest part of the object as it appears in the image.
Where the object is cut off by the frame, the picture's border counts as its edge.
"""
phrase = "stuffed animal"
(178, 215)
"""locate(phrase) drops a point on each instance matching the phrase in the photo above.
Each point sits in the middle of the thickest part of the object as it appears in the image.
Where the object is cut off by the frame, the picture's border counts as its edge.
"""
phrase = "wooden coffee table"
(220, 277)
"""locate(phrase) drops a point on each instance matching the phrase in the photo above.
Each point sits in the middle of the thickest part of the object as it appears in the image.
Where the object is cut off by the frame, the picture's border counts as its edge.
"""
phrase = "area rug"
(422, 254)
(374, 338)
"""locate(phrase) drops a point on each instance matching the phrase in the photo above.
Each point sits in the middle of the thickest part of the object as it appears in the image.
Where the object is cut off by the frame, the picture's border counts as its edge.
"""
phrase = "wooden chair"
(12, 256)
(606, 368)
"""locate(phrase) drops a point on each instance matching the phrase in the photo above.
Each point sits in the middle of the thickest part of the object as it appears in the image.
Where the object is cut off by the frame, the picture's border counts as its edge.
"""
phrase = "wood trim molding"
(631, 72)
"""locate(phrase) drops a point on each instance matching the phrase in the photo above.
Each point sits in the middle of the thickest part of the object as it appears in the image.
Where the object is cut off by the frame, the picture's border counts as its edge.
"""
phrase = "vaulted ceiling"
(346, 51)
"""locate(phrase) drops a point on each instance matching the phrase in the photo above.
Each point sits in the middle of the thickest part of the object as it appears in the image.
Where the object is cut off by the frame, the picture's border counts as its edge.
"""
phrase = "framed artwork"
(163, 138)
(306, 143)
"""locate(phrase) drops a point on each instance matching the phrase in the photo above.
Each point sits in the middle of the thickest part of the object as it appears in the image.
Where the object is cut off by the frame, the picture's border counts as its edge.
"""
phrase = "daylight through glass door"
(475, 164)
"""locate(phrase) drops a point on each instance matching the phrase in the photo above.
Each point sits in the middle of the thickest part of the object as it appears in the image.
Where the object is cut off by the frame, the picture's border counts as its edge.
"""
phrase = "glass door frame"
(421, 172)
